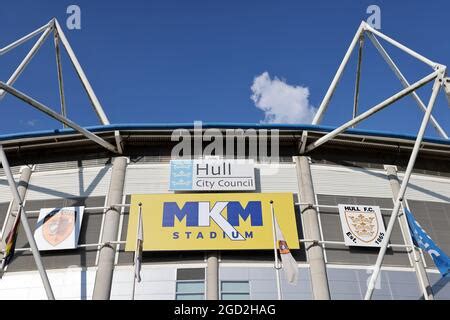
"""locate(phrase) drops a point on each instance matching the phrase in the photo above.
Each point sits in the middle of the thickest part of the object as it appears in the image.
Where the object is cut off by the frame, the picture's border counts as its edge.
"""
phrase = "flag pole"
(134, 284)
(275, 253)
(26, 226)
(136, 250)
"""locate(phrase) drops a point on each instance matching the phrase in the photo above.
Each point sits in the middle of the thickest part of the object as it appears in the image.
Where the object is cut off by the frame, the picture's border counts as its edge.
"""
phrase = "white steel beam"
(24, 39)
(405, 82)
(26, 226)
(60, 76)
(27, 59)
(403, 187)
(326, 100)
(400, 46)
(371, 111)
(57, 116)
(358, 76)
(87, 86)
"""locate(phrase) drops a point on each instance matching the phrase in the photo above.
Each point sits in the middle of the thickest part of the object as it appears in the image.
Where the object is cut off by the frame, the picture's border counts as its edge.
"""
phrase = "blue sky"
(180, 61)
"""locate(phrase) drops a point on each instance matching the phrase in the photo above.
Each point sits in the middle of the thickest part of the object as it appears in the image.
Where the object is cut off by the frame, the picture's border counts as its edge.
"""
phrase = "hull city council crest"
(361, 225)
(58, 226)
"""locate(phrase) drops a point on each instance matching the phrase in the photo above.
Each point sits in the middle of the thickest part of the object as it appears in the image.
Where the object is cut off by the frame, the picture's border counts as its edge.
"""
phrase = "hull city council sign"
(220, 221)
(362, 226)
(212, 175)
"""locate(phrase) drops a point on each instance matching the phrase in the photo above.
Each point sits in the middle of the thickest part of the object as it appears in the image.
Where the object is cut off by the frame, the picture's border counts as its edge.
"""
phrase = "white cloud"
(281, 102)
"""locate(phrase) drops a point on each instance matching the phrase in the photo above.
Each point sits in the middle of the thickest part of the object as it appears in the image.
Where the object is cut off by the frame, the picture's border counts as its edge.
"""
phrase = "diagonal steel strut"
(57, 116)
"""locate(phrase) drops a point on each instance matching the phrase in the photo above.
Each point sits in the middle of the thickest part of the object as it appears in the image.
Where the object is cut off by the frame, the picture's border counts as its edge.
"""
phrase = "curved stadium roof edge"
(218, 125)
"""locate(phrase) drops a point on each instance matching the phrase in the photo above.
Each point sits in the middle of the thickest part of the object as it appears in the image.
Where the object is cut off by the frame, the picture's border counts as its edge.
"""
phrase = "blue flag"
(423, 240)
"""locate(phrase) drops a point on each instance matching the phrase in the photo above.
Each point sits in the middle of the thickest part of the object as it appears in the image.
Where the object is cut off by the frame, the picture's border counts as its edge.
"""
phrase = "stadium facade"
(62, 168)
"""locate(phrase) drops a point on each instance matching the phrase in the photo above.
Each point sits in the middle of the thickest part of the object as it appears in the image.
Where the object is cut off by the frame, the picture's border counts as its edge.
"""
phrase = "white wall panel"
(154, 178)
(5, 193)
(426, 188)
(345, 181)
(71, 284)
(69, 183)
(157, 283)
(147, 178)
(278, 178)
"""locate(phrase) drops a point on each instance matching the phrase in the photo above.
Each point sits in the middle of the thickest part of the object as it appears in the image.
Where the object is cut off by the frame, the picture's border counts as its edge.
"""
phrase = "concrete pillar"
(212, 276)
(414, 255)
(105, 268)
(314, 251)
(22, 187)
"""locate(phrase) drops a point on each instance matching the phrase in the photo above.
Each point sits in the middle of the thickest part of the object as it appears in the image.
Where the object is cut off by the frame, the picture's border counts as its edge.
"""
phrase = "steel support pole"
(79, 70)
(371, 111)
(329, 94)
(358, 77)
(105, 268)
(326, 100)
(405, 82)
(421, 274)
(87, 86)
(22, 187)
(276, 262)
(212, 276)
(404, 185)
(26, 226)
(27, 59)
(60, 77)
(314, 252)
(57, 116)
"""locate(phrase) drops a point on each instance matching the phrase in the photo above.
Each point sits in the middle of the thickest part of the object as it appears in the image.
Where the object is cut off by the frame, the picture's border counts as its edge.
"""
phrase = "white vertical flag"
(289, 264)
(138, 251)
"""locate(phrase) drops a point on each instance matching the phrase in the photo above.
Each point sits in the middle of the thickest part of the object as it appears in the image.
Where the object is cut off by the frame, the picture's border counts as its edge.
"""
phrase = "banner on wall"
(58, 228)
(214, 221)
(212, 175)
(362, 225)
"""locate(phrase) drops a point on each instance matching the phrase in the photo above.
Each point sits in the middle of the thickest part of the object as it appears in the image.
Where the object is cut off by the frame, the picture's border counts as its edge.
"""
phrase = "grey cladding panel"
(332, 231)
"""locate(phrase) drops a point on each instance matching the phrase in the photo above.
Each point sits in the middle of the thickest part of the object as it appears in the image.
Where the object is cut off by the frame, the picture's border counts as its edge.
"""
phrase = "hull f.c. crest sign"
(58, 228)
(362, 226)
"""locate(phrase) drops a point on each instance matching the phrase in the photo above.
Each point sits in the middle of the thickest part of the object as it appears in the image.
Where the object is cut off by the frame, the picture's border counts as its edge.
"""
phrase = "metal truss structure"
(437, 76)
(440, 81)
(7, 87)
(59, 38)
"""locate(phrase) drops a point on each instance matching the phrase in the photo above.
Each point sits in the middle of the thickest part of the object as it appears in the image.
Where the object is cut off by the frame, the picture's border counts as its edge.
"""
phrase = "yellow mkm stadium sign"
(215, 221)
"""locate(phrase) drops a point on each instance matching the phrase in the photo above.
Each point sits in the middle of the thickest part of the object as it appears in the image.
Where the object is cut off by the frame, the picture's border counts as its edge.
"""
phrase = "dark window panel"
(191, 274)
